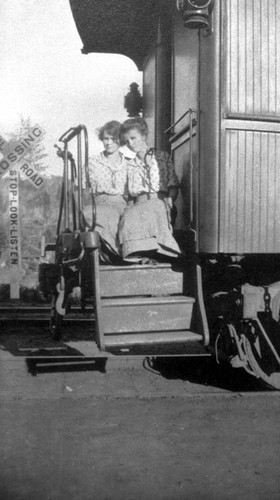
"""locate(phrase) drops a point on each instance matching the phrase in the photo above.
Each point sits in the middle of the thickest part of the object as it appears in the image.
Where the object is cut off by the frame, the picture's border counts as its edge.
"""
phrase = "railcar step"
(120, 281)
(147, 338)
(146, 314)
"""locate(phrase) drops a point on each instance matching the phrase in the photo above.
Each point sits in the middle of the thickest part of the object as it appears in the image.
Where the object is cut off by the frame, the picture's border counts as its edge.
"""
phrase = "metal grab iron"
(72, 199)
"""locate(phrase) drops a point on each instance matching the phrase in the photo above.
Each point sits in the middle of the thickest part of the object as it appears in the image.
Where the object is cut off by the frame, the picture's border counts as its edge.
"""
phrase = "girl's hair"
(112, 128)
(138, 123)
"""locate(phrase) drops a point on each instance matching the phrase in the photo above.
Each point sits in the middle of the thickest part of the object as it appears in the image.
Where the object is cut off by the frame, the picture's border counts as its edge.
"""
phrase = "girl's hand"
(169, 202)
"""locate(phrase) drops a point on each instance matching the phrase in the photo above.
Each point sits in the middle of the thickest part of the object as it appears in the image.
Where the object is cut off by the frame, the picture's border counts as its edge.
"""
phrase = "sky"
(44, 75)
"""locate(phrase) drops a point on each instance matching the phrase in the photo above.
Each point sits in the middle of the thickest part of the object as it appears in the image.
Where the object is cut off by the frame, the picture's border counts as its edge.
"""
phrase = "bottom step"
(151, 338)
(156, 344)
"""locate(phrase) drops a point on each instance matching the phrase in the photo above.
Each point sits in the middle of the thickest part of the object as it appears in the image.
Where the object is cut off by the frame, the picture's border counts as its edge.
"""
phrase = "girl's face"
(109, 143)
(135, 141)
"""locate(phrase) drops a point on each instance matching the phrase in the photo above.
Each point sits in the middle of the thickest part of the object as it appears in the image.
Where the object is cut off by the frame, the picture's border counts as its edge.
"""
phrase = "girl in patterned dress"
(108, 181)
(145, 227)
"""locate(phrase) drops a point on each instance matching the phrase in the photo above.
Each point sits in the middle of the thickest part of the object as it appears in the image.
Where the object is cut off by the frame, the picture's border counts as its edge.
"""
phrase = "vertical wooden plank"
(225, 152)
(263, 200)
(240, 192)
(248, 190)
(272, 58)
(271, 191)
(231, 229)
(256, 191)
(226, 191)
(226, 54)
(234, 48)
(257, 56)
(242, 56)
(277, 56)
(249, 47)
(265, 57)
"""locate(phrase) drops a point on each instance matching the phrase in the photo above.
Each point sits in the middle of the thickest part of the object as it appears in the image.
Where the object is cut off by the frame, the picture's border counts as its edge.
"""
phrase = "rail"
(41, 313)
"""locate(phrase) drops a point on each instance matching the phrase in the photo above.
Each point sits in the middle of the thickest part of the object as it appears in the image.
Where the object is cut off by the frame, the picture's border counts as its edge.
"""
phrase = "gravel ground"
(133, 429)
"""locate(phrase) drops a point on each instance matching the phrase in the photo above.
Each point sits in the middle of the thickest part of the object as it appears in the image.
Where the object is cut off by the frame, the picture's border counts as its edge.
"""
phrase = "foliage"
(37, 155)
(38, 215)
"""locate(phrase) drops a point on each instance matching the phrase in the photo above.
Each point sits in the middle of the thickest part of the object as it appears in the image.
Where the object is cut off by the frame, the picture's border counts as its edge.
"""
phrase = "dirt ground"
(172, 431)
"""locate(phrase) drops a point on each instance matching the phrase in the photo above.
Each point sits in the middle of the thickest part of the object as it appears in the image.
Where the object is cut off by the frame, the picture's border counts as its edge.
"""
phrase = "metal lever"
(60, 153)
(73, 262)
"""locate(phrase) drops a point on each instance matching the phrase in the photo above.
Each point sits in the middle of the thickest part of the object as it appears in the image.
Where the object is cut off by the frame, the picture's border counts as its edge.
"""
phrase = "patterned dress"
(145, 226)
(109, 184)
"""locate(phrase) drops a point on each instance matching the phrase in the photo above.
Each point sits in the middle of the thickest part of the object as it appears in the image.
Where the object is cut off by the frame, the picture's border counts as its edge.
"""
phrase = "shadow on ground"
(43, 355)
(28, 338)
(37, 365)
(205, 371)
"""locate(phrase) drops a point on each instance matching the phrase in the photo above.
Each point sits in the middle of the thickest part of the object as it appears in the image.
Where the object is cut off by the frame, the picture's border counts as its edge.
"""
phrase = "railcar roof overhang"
(127, 27)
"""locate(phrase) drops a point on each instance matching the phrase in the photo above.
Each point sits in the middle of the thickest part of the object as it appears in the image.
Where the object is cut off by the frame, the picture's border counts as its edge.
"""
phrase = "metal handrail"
(73, 131)
(190, 110)
(183, 131)
(65, 154)
(191, 170)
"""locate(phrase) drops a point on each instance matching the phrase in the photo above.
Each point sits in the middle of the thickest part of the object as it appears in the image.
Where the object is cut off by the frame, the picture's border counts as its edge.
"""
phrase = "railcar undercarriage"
(243, 303)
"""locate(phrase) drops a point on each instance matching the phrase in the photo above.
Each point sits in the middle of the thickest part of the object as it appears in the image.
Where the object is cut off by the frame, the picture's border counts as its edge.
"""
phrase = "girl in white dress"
(145, 227)
(108, 181)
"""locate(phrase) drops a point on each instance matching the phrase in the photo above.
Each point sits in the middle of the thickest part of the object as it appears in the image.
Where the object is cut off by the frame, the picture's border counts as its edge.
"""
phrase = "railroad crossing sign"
(13, 153)
(12, 162)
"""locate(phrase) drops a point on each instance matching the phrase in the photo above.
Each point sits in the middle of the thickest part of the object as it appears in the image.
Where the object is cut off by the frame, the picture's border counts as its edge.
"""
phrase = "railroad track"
(41, 313)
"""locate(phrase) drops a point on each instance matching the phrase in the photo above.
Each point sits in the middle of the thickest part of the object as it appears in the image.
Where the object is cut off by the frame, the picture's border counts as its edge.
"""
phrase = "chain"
(150, 153)
(266, 298)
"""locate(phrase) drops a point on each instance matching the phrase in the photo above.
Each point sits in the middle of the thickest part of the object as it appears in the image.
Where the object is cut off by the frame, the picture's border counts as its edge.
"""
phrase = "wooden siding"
(253, 56)
(250, 203)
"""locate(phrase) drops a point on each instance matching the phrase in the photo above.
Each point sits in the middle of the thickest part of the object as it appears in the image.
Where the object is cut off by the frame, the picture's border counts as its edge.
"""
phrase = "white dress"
(109, 185)
(145, 226)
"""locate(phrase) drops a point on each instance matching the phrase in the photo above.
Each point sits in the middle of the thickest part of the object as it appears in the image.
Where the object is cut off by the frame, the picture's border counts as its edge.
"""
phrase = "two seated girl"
(133, 196)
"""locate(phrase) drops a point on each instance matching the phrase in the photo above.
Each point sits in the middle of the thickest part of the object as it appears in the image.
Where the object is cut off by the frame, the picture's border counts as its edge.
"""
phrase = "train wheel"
(257, 358)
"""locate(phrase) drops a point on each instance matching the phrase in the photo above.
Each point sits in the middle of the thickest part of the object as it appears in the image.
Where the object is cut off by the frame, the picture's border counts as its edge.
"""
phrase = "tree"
(37, 153)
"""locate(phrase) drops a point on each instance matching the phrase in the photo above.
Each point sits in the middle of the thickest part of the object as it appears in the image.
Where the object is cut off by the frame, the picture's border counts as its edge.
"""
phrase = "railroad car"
(211, 97)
